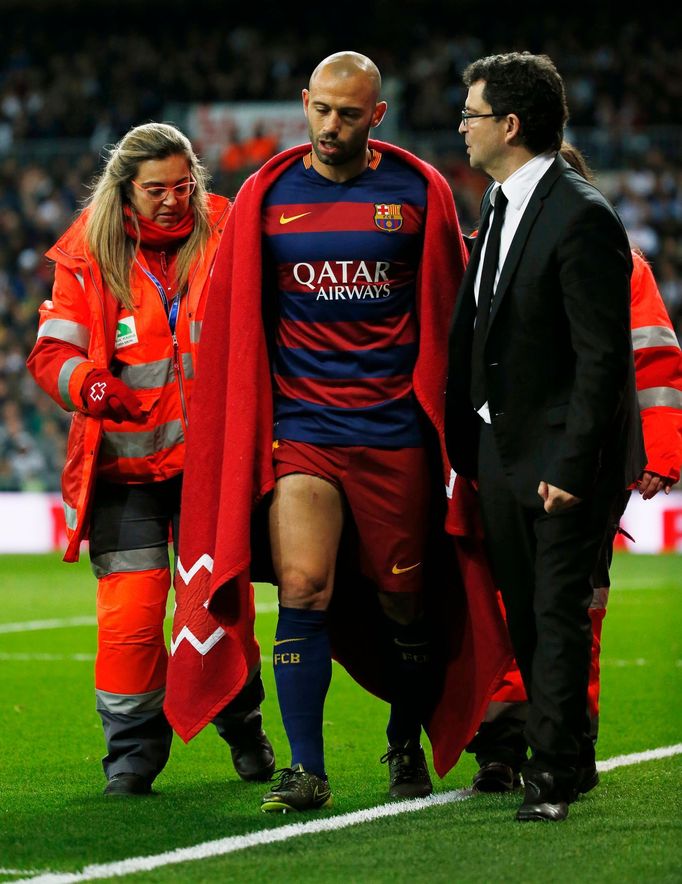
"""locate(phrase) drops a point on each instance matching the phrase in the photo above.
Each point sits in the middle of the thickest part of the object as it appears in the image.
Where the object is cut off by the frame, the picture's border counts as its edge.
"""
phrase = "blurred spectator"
(622, 78)
(25, 466)
(239, 158)
(623, 86)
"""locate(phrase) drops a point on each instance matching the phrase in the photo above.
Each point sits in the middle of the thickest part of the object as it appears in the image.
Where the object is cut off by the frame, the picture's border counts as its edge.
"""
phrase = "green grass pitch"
(53, 817)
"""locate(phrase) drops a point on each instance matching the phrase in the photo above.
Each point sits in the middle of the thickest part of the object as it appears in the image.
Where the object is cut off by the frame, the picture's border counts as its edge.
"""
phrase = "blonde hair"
(104, 228)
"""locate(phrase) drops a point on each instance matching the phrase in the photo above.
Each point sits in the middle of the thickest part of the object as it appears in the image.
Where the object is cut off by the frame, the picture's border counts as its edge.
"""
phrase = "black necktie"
(479, 395)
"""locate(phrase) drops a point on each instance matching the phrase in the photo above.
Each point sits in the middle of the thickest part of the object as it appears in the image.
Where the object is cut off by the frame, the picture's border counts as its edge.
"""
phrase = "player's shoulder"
(395, 175)
(290, 182)
(397, 164)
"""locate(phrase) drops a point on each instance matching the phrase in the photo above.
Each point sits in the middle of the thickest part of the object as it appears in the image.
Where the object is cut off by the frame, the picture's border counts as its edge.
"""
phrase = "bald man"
(356, 291)
(342, 105)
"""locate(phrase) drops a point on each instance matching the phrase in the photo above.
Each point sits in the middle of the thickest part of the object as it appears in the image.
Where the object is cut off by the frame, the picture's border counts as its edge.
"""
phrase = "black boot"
(500, 748)
(545, 799)
(127, 784)
(240, 724)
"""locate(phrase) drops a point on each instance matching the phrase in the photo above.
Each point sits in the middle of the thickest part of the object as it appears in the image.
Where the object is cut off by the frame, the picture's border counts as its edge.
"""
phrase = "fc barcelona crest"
(388, 216)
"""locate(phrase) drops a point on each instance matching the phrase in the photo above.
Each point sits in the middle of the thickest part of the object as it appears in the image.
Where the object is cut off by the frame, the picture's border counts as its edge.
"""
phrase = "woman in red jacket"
(117, 346)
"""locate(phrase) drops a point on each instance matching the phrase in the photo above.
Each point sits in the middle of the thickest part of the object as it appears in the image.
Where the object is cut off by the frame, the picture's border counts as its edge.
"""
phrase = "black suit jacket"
(558, 352)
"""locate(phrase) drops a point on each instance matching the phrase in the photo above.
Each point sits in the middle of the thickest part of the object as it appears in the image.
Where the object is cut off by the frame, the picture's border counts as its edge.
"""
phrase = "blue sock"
(303, 669)
(412, 675)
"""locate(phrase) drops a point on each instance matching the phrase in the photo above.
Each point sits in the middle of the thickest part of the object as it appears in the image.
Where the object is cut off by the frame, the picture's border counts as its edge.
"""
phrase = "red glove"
(106, 396)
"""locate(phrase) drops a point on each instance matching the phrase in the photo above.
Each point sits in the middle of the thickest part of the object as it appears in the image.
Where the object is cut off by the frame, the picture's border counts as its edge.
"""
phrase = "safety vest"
(84, 327)
(658, 372)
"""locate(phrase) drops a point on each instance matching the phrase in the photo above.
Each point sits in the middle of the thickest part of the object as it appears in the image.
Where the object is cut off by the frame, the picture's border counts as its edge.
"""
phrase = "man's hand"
(105, 396)
(651, 483)
(556, 499)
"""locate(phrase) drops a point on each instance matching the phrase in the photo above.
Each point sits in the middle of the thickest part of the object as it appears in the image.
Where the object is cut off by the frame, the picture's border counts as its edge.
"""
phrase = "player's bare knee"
(299, 589)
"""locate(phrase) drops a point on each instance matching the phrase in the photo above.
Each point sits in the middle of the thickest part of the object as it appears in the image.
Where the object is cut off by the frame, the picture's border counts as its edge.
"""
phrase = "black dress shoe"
(494, 776)
(240, 724)
(128, 784)
(542, 801)
(253, 757)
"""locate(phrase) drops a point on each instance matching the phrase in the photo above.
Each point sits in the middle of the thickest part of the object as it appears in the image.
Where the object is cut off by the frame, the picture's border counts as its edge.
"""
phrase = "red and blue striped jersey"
(345, 259)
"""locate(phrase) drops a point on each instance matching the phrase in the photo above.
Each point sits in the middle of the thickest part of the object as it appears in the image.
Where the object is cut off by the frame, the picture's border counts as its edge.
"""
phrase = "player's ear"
(379, 113)
(305, 95)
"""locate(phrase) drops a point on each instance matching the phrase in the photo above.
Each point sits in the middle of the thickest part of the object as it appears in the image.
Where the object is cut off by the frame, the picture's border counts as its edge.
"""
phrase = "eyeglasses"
(466, 117)
(157, 193)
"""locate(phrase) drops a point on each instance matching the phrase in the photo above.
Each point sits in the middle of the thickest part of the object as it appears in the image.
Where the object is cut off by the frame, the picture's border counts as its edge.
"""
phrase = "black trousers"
(542, 564)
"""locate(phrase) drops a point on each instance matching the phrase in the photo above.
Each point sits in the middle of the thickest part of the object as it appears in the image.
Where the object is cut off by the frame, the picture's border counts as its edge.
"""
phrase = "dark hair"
(530, 87)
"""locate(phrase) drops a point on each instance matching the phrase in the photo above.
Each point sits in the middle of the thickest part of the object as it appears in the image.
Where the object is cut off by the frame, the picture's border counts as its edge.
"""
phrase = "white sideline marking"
(630, 584)
(223, 846)
(40, 658)
(19, 657)
(639, 757)
(64, 622)
(639, 661)
(267, 607)
(33, 625)
(254, 839)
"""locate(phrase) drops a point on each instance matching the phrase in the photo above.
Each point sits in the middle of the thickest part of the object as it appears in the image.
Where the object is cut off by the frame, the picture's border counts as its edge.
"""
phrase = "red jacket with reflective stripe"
(83, 327)
(658, 371)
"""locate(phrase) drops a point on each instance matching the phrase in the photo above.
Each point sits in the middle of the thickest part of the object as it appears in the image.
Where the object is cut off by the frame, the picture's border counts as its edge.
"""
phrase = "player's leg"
(412, 701)
(389, 493)
(306, 519)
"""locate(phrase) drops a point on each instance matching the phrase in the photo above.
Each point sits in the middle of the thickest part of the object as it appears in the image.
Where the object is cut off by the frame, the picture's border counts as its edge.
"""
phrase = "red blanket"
(229, 469)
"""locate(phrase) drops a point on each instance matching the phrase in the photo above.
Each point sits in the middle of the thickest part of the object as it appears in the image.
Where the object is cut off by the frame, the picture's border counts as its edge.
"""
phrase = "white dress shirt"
(518, 189)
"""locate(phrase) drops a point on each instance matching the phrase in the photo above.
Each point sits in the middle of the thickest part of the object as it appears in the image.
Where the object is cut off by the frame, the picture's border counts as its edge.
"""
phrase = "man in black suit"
(541, 405)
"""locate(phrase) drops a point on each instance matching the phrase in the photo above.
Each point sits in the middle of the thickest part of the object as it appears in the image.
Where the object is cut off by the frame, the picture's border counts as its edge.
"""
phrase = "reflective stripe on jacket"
(84, 327)
(658, 372)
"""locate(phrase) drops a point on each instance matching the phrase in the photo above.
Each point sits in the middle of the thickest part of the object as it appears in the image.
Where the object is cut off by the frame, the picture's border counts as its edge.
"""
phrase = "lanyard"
(172, 309)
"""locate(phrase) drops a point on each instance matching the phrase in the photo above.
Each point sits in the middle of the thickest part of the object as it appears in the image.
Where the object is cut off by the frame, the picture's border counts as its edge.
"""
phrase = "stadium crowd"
(60, 105)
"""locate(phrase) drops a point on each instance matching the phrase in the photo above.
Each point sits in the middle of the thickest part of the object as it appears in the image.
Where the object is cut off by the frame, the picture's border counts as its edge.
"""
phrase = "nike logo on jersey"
(284, 220)
(283, 641)
(397, 570)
